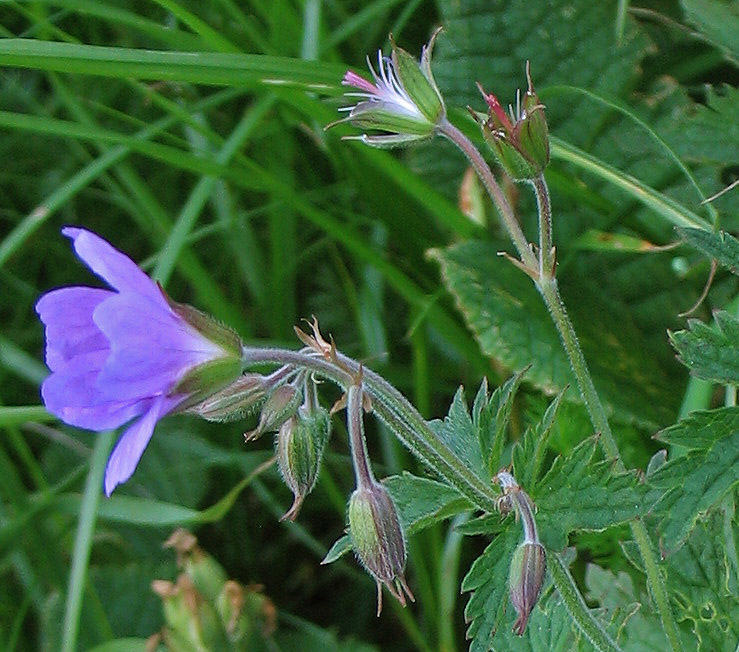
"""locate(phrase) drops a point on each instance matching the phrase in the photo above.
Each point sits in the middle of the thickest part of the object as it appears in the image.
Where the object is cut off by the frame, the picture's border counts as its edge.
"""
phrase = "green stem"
(547, 286)
(482, 169)
(393, 409)
(577, 608)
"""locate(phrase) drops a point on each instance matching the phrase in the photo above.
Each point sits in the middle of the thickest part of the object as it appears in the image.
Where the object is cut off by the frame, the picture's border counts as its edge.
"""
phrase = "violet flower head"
(127, 353)
(401, 104)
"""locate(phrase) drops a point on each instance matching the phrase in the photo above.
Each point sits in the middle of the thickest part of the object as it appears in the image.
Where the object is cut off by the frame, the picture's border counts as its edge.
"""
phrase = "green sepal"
(419, 87)
(210, 328)
(207, 379)
(511, 160)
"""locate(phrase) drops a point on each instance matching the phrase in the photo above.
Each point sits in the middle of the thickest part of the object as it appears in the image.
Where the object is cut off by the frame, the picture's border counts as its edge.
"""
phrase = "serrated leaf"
(488, 581)
(698, 577)
(698, 480)
(721, 246)
(490, 417)
(633, 624)
(580, 494)
(528, 454)
(458, 432)
(421, 502)
(710, 353)
(512, 325)
(549, 628)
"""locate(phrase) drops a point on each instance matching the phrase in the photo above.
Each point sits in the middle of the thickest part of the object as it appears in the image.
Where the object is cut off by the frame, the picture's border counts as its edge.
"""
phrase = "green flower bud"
(206, 574)
(528, 569)
(378, 540)
(299, 445)
(235, 401)
(282, 403)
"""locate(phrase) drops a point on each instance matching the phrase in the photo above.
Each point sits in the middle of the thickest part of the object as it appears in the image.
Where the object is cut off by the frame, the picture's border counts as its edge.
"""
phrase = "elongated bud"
(282, 403)
(235, 401)
(527, 573)
(529, 562)
(378, 540)
(300, 443)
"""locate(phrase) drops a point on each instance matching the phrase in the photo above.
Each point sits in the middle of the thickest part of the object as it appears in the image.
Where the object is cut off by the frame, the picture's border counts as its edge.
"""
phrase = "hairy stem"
(546, 283)
(577, 608)
(482, 169)
(393, 409)
(550, 293)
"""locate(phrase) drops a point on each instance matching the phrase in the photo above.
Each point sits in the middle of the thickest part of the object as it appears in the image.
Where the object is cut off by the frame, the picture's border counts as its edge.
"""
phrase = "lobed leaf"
(721, 246)
(488, 581)
(699, 575)
(581, 494)
(695, 482)
(710, 353)
(511, 324)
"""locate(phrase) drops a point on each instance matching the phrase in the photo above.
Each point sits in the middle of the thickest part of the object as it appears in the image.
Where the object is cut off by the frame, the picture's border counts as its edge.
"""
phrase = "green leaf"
(488, 581)
(122, 645)
(579, 493)
(341, 546)
(721, 246)
(528, 453)
(457, 431)
(496, 300)
(633, 624)
(699, 576)
(549, 628)
(710, 353)
(718, 21)
(421, 502)
(695, 482)
(211, 68)
(490, 417)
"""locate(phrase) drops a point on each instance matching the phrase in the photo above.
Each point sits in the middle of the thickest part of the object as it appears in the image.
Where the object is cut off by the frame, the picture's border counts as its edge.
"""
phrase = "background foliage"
(215, 172)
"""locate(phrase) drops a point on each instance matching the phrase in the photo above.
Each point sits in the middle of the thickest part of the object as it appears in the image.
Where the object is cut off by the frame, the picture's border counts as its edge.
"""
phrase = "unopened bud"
(520, 141)
(206, 574)
(378, 540)
(300, 443)
(282, 403)
(235, 401)
(528, 569)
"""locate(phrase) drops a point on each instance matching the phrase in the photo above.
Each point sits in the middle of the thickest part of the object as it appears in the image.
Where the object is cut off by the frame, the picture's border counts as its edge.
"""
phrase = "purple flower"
(127, 353)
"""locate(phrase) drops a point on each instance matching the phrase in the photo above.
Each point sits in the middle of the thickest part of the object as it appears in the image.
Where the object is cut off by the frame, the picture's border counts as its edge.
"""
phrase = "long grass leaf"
(211, 68)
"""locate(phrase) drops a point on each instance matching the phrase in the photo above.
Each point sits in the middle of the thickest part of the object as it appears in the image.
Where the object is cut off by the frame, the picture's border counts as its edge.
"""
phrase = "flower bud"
(528, 569)
(206, 574)
(378, 540)
(520, 142)
(282, 403)
(403, 104)
(235, 401)
(300, 443)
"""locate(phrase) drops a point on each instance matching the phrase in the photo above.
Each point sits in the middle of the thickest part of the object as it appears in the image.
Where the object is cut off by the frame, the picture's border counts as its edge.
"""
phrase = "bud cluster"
(204, 610)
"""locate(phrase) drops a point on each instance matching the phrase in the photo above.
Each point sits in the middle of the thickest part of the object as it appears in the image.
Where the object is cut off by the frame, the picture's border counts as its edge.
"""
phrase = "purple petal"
(111, 265)
(151, 347)
(72, 394)
(70, 331)
(127, 452)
